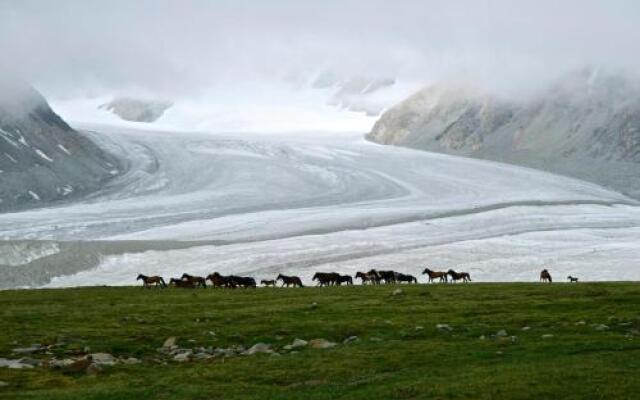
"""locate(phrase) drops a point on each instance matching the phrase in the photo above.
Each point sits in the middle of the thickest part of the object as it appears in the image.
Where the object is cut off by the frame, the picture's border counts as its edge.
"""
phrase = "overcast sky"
(184, 47)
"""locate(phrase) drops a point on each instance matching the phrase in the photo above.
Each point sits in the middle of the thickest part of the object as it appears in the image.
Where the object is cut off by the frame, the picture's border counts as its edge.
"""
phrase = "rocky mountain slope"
(136, 110)
(585, 125)
(43, 159)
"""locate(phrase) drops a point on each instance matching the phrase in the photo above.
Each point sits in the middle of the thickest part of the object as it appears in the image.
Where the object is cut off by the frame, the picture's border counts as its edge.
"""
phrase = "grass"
(402, 361)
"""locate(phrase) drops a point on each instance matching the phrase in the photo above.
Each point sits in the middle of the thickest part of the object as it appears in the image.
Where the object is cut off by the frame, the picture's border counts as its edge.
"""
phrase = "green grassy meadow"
(563, 352)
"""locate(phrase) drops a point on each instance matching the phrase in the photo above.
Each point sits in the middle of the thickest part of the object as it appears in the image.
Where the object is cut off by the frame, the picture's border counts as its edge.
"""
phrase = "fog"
(186, 48)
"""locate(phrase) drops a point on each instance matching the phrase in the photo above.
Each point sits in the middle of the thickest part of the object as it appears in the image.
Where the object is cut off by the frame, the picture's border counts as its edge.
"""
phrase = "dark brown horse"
(368, 277)
(268, 283)
(181, 283)
(198, 281)
(387, 276)
(243, 281)
(218, 280)
(326, 278)
(345, 279)
(545, 276)
(148, 281)
(572, 279)
(435, 275)
(289, 280)
(405, 278)
(456, 276)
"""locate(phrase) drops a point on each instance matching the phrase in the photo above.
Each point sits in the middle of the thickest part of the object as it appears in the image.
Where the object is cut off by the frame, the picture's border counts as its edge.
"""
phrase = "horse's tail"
(162, 282)
(550, 280)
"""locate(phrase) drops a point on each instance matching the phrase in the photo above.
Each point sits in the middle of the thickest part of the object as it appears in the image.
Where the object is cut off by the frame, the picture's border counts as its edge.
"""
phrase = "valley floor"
(475, 341)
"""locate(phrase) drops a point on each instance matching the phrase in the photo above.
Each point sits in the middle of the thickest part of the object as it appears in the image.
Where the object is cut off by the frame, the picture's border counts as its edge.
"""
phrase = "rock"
(547, 336)
(513, 339)
(444, 328)
(298, 343)
(581, 323)
(79, 365)
(482, 337)
(419, 328)
(375, 339)
(31, 361)
(350, 339)
(501, 333)
(202, 356)
(398, 292)
(258, 348)
(321, 344)
(14, 364)
(287, 347)
(183, 357)
(4, 384)
(170, 342)
(93, 369)
(60, 363)
(602, 327)
(103, 359)
(526, 328)
(34, 348)
(131, 360)
(499, 353)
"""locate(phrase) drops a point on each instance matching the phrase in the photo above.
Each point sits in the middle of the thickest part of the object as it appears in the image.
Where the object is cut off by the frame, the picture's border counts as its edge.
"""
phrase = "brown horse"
(545, 276)
(198, 281)
(368, 277)
(289, 280)
(218, 280)
(147, 281)
(456, 276)
(572, 279)
(181, 283)
(405, 278)
(435, 274)
(345, 279)
(268, 283)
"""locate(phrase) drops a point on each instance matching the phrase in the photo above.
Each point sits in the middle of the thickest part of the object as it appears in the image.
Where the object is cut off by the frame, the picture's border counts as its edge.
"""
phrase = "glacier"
(261, 204)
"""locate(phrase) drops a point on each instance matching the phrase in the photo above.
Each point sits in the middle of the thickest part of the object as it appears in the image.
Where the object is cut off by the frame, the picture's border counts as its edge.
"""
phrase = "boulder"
(321, 344)
(258, 348)
(103, 359)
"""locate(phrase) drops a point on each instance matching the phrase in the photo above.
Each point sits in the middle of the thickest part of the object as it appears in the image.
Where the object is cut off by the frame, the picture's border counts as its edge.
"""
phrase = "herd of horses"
(372, 277)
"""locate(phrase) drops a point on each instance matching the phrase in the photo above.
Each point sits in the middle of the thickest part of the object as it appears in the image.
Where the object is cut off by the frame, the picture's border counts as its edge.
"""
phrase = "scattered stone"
(62, 363)
(212, 333)
(258, 348)
(31, 361)
(501, 333)
(183, 357)
(499, 353)
(579, 323)
(482, 337)
(419, 328)
(93, 369)
(602, 327)
(625, 324)
(388, 322)
(375, 339)
(103, 359)
(131, 360)
(80, 365)
(4, 384)
(170, 342)
(444, 328)
(526, 328)
(547, 336)
(313, 305)
(298, 343)
(398, 292)
(279, 337)
(321, 344)
(350, 339)
(14, 364)
(34, 348)
(202, 356)
(513, 339)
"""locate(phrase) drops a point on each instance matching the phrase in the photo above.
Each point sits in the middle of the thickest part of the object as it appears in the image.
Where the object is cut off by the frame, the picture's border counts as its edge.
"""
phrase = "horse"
(435, 274)
(268, 283)
(405, 278)
(243, 281)
(218, 280)
(368, 277)
(147, 281)
(456, 276)
(387, 276)
(572, 279)
(196, 280)
(345, 279)
(326, 278)
(290, 280)
(545, 276)
(181, 283)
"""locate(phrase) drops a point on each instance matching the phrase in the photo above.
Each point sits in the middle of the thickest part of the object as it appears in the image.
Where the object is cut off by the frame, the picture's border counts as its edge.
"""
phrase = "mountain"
(43, 159)
(585, 125)
(137, 110)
